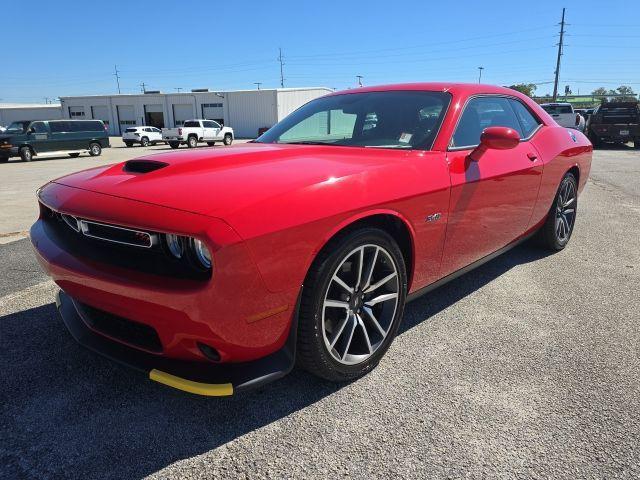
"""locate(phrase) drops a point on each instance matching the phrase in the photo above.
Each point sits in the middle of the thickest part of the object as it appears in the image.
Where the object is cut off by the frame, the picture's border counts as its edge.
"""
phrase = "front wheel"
(557, 229)
(228, 139)
(352, 304)
(95, 149)
(192, 142)
(26, 154)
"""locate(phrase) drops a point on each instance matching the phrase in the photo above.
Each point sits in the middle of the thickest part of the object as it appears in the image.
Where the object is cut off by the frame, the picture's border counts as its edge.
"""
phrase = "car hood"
(222, 181)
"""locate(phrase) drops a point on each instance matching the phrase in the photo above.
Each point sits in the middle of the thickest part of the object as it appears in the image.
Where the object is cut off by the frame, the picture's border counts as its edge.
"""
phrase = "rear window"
(613, 114)
(557, 109)
(191, 124)
(130, 130)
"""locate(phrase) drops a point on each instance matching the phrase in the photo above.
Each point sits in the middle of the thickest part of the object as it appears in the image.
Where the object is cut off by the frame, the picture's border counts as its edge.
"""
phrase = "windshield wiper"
(306, 142)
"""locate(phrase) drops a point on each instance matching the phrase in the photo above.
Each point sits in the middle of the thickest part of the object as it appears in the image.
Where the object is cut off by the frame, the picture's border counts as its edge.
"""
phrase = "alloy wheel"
(565, 211)
(360, 304)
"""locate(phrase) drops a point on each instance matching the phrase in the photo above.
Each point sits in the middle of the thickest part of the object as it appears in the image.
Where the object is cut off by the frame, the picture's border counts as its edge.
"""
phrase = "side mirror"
(31, 130)
(496, 138)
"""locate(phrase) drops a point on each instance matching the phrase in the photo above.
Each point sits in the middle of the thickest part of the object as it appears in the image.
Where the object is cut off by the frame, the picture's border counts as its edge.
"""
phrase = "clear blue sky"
(57, 48)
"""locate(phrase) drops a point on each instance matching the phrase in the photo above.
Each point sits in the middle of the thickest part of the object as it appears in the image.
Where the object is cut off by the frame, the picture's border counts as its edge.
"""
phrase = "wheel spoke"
(366, 334)
(569, 202)
(343, 324)
(342, 283)
(360, 262)
(378, 284)
(568, 210)
(565, 223)
(336, 303)
(374, 320)
(353, 329)
(372, 266)
(381, 298)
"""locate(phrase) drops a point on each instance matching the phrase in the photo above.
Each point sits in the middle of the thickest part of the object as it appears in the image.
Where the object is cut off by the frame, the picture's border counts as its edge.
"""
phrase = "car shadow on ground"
(626, 147)
(68, 412)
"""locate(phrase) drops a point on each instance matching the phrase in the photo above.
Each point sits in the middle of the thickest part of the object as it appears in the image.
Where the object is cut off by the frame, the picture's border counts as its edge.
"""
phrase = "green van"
(27, 138)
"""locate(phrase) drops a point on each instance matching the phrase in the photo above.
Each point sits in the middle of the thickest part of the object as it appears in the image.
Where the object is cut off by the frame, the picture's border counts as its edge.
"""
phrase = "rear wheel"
(211, 144)
(352, 304)
(4, 159)
(174, 144)
(26, 154)
(144, 141)
(192, 142)
(95, 149)
(128, 144)
(228, 139)
(557, 229)
(636, 143)
(74, 155)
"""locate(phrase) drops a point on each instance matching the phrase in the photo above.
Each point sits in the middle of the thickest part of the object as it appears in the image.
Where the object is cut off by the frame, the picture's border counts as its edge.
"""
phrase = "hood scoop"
(143, 166)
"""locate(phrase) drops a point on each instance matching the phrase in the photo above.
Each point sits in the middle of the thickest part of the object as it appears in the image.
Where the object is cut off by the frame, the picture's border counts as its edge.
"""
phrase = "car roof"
(553, 104)
(453, 87)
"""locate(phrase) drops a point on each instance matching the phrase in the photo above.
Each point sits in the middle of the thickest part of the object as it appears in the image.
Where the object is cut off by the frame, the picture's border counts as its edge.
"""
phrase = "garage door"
(101, 112)
(182, 113)
(126, 116)
(154, 116)
(213, 111)
(76, 112)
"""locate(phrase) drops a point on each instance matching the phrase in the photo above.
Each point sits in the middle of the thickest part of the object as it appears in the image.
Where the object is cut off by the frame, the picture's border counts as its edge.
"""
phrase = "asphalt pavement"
(527, 367)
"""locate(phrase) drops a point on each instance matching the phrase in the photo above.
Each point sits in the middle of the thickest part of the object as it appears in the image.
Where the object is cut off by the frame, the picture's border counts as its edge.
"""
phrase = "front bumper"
(194, 377)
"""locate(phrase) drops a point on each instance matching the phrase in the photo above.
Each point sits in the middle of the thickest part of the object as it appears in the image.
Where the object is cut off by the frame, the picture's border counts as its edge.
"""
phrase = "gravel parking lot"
(524, 368)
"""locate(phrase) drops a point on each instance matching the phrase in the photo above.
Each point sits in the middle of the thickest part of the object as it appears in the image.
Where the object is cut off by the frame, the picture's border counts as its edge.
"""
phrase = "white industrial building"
(13, 112)
(246, 111)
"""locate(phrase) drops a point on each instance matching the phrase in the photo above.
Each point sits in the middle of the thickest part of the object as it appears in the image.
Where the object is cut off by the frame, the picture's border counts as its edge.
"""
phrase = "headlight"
(175, 244)
(202, 253)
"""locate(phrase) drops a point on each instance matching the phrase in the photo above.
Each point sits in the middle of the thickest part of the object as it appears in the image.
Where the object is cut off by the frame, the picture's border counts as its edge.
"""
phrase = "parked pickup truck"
(616, 122)
(565, 116)
(194, 131)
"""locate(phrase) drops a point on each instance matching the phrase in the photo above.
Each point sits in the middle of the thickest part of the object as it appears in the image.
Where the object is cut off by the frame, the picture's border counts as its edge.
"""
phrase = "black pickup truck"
(615, 122)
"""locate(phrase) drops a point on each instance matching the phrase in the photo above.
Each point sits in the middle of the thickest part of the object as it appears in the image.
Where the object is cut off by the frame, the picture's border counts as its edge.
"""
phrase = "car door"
(217, 131)
(491, 199)
(39, 137)
(209, 130)
(155, 134)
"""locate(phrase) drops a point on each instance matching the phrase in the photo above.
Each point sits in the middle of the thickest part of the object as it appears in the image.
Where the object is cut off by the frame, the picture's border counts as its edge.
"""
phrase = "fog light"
(202, 253)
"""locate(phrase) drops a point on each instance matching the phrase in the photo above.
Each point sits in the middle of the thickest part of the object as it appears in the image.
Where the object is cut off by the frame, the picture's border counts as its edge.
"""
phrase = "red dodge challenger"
(217, 270)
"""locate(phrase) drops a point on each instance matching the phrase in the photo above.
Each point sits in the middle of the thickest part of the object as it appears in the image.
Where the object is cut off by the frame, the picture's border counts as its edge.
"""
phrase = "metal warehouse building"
(246, 111)
(13, 112)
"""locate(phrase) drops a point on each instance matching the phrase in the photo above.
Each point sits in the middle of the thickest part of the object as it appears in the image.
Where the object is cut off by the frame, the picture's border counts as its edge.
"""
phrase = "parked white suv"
(144, 135)
(564, 115)
(199, 130)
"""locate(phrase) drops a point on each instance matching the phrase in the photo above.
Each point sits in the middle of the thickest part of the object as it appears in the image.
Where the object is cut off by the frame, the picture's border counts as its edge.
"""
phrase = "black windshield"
(393, 119)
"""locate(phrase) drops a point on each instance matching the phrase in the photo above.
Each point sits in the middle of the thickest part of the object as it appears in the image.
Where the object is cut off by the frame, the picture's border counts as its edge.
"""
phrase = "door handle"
(532, 156)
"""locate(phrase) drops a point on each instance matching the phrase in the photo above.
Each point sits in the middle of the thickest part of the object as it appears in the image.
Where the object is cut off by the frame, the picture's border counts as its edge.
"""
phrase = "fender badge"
(573, 136)
(434, 217)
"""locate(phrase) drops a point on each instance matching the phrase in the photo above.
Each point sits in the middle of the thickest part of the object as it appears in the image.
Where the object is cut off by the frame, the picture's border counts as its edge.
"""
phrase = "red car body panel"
(266, 210)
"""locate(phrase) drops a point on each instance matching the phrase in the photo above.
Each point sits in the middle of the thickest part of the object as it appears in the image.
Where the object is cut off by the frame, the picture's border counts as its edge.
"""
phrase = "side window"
(215, 125)
(480, 113)
(208, 124)
(527, 120)
(60, 126)
(39, 127)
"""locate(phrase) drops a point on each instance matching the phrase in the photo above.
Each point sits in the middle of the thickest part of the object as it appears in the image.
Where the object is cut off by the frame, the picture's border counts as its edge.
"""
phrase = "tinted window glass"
(208, 124)
(394, 119)
(130, 129)
(191, 124)
(480, 113)
(39, 127)
(527, 120)
(557, 109)
(57, 127)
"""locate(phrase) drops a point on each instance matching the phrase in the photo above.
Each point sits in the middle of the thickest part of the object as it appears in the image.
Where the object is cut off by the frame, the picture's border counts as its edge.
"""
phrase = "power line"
(555, 83)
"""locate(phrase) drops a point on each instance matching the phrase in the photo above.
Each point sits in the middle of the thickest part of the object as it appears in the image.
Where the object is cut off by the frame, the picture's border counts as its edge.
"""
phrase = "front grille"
(134, 333)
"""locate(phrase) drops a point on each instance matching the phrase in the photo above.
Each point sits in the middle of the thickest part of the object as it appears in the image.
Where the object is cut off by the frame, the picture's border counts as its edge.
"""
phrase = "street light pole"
(480, 75)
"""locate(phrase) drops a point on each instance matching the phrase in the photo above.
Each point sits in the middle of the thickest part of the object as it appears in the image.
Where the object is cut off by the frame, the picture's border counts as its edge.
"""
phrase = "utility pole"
(480, 75)
(258, 84)
(359, 78)
(178, 89)
(46, 100)
(560, 45)
(144, 89)
(117, 75)
(281, 60)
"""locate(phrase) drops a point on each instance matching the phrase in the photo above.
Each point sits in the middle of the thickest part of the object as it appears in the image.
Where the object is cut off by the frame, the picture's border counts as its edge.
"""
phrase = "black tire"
(144, 141)
(26, 154)
(4, 159)
(95, 149)
(636, 143)
(228, 139)
(192, 142)
(551, 235)
(129, 144)
(313, 353)
(211, 144)
(74, 155)
(595, 140)
(174, 144)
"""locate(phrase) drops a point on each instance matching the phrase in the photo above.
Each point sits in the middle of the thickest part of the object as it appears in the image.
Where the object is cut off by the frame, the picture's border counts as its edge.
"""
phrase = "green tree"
(600, 91)
(629, 94)
(527, 88)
